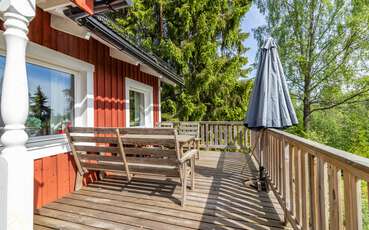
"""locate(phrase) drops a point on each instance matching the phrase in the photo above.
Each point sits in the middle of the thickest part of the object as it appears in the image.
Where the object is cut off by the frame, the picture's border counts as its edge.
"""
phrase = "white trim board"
(148, 94)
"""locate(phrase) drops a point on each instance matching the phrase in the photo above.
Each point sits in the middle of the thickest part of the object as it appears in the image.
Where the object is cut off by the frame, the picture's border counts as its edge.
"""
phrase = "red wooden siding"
(54, 178)
(109, 88)
(55, 175)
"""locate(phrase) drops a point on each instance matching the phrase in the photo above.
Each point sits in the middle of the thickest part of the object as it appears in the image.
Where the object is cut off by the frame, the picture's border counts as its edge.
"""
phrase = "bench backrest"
(151, 150)
(137, 151)
(189, 128)
(96, 149)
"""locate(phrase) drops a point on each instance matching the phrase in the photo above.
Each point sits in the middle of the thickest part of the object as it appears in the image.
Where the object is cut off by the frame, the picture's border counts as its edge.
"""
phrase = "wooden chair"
(155, 151)
(97, 149)
(192, 129)
(166, 124)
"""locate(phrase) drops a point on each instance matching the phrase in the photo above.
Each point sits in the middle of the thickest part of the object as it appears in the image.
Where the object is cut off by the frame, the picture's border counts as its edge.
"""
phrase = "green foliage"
(202, 39)
(324, 48)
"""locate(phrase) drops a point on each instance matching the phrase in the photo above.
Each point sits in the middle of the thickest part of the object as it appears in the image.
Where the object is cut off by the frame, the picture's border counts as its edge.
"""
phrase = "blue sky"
(252, 20)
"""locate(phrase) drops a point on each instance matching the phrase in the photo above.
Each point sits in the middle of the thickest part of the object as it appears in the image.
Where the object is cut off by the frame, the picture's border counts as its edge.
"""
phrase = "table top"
(180, 138)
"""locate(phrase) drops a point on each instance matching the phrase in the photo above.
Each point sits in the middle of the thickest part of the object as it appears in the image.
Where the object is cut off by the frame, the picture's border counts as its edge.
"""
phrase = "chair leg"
(193, 173)
(184, 185)
(198, 149)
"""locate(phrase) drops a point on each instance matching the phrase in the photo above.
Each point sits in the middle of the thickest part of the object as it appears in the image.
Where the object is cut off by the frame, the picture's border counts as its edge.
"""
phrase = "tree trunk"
(307, 99)
(161, 29)
(306, 114)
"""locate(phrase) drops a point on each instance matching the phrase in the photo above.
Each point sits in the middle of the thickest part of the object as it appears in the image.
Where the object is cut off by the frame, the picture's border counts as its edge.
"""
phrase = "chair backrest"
(166, 124)
(96, 149)
(189, 128)
(151, 150)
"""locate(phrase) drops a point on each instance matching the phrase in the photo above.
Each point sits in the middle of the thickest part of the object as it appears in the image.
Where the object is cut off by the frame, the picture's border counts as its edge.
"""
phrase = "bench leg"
(184, 185)
(101, 175)
(79, 182)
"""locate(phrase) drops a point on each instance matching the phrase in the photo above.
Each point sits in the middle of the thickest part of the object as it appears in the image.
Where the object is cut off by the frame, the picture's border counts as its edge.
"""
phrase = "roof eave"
(103, 31)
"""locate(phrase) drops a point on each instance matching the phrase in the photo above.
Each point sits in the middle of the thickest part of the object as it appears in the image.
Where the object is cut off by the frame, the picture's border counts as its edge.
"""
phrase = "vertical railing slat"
(314, 202)
(323, 194)
(216, 134)
(352, 188)
(335, 192)
(285, 151)
(304, 190)
(291, 180)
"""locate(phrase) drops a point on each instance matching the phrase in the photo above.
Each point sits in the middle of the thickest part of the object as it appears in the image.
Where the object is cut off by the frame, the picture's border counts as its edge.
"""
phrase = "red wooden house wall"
(55, 175)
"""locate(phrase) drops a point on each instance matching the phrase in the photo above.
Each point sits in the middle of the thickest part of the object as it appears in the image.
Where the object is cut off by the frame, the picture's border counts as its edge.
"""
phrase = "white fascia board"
(167, 81)
(121, 55)
(146, 69)
(66, 25)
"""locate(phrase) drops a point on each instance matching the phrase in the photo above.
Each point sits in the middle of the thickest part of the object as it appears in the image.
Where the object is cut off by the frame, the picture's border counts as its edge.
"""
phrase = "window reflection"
(136, 109)
(50, 99)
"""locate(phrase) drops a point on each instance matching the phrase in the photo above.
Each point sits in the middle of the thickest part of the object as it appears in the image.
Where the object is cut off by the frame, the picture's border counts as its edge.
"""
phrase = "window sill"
(45, 146)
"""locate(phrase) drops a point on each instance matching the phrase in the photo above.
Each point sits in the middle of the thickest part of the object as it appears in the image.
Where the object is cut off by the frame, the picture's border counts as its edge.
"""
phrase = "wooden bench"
(132, 151)
(96, 149)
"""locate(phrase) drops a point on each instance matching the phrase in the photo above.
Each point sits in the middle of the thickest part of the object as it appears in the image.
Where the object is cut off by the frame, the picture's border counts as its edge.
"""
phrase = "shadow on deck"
(220, 201)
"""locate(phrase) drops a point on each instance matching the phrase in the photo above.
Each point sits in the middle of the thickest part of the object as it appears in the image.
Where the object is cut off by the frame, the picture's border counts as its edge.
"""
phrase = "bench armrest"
(188, 155)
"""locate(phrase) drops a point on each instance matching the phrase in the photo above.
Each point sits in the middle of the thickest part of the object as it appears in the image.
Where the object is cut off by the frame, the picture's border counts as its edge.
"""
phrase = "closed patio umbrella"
(270, 105)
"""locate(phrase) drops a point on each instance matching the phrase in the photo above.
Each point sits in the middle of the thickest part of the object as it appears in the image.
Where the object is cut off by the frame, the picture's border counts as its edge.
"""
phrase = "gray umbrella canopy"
(270, 105)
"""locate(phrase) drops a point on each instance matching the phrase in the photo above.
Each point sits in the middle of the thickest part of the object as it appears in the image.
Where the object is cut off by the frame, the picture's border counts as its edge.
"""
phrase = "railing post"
(16, 165)
(207, 136)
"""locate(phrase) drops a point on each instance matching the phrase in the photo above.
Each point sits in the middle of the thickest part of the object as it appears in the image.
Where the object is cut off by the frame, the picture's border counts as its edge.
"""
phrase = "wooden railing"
(223, 134)
(319, 187)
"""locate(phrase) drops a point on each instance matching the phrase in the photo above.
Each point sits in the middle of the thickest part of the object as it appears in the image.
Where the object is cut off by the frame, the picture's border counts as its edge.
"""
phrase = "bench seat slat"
(133, 168)
(95, 157)
(153, 152)
(147, 131)
(152, 161)
(96, 149)
(94, 139)
(149, 141)
(91, 130)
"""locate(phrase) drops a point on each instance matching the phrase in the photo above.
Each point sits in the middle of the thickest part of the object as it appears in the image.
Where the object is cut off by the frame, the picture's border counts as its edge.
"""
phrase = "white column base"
(16, 177)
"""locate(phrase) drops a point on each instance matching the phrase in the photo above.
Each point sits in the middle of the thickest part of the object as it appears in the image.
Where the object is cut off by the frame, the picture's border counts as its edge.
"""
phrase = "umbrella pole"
(259, 183)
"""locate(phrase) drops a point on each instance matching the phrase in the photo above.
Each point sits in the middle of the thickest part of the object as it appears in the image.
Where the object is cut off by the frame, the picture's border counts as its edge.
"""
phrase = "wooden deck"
(220, 201)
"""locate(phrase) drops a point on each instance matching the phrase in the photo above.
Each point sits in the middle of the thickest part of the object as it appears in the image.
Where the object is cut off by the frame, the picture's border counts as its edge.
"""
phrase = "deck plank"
(220, 201)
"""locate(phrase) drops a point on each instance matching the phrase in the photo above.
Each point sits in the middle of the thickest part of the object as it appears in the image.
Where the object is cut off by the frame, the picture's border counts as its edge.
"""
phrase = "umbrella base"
(260, 183)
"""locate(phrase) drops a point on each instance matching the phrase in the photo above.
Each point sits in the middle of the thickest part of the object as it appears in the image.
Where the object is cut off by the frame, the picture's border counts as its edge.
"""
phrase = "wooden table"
(182, 139)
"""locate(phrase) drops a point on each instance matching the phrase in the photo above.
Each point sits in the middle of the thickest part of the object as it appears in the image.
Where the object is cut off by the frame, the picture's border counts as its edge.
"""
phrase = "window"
(51, 99)
(136, 109)
(139, 104)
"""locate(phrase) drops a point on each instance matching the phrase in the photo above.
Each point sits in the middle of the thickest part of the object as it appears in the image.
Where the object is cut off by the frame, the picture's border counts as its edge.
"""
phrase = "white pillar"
(16, 165)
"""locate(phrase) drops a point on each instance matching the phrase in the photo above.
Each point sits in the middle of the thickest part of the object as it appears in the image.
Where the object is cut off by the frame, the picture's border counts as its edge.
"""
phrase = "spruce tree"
(203, 41)
(40, 110)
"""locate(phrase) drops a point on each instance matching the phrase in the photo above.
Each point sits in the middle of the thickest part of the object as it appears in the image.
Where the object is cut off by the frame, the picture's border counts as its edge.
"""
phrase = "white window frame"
(147, 91)
(43, 146)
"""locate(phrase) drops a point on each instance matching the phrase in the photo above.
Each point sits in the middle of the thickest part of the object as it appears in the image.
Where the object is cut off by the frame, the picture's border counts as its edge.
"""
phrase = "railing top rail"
(355, 161)
(222, 122)
(212, 122)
